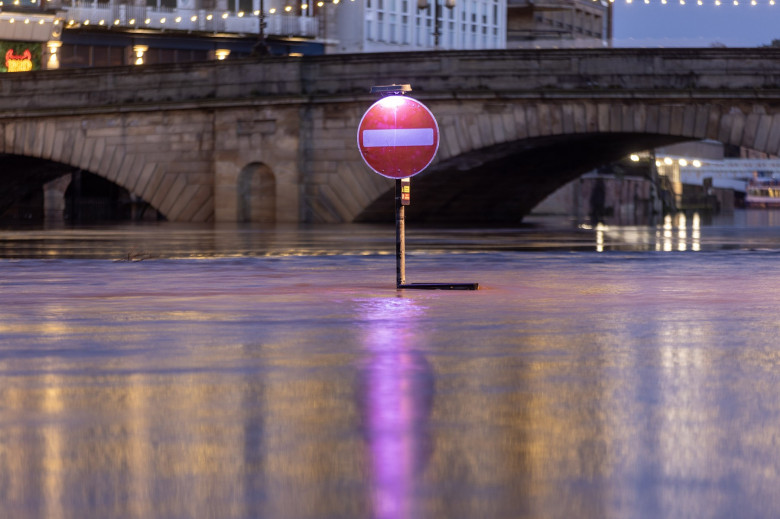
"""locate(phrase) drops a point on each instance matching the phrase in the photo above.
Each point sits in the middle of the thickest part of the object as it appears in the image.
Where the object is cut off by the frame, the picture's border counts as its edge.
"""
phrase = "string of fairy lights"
(184, 18)
(716, 3)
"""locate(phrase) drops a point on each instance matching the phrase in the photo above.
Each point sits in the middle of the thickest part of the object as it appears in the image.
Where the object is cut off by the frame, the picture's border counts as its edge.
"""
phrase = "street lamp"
(423, 4)
(260, 48)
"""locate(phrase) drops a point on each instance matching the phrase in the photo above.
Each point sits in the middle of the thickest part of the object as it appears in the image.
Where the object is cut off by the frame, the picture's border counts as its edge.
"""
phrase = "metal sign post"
(398, 137)
(402, 199)
(400, 233)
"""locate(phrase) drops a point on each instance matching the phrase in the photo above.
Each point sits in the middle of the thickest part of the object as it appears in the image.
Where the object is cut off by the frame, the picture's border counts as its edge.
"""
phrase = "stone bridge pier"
(274, 140)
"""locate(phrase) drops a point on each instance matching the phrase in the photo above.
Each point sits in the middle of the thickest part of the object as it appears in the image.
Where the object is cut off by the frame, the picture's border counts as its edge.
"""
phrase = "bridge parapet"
(549, 74)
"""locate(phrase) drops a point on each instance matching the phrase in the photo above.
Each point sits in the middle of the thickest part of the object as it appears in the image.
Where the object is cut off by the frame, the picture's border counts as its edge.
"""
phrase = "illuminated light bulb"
(634, 157)
(682, 162)
(287, 9)
(102, 22)
(177, 19)
(272, 10)
(26, 20)
(658, 163)
(696, 163)
(209, 16)
(736, 2)
(241, 14)
(71, 22)
(194, 18)
(682, 2)
(663, 2)
(320, 4)
(86, 22)
(668, 161)
(117, 21)
(256, 13)
(393, 101)
(717, 2)
(224, 16)
(139, 53)
(700, 2)
(335, 2)
(11, 20)
(148, 21)
(304, 6)
(162, 20)
(40, 22)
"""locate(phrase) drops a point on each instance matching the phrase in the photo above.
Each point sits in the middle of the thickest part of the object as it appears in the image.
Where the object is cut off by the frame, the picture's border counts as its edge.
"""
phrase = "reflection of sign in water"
(396, 399)
(18, 63)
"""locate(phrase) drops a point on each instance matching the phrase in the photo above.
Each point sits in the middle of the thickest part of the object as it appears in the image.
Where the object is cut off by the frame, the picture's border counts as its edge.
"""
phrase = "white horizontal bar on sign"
(398, 137)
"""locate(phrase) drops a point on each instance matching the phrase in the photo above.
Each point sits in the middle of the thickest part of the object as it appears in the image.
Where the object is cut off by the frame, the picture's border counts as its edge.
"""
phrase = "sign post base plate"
(439, 286)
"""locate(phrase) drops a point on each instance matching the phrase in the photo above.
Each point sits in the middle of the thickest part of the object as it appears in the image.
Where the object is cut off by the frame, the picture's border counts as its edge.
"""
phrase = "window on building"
(170, 4)
(82, 56)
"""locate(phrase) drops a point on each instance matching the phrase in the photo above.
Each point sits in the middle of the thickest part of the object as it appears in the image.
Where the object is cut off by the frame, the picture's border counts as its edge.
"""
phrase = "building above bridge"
(90, 33)
(557, 23)
(84, 33)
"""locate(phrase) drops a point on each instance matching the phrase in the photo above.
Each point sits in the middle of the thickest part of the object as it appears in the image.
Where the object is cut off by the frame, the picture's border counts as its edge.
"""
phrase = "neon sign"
(18, 62)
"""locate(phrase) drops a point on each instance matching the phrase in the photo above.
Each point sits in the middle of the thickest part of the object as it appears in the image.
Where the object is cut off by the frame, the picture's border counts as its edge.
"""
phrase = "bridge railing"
(84, 13)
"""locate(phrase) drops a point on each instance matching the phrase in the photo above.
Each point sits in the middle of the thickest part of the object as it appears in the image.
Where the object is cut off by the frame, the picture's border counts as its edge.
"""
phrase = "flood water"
(167, 371)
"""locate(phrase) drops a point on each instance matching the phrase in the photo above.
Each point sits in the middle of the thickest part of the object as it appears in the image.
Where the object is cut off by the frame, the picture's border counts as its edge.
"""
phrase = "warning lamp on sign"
(405, 191)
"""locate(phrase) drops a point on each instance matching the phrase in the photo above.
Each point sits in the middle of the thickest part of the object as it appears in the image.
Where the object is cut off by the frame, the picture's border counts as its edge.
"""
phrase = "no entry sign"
(398, 137)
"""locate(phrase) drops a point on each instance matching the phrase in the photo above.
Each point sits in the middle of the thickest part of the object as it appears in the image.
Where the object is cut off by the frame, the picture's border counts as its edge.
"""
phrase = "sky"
(637, 24)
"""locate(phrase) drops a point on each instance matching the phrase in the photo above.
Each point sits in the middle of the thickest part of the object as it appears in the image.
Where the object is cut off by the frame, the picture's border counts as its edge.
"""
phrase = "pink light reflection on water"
(397, 397)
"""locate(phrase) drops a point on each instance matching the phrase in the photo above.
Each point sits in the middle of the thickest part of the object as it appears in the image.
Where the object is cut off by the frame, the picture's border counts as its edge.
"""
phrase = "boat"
(763, 192)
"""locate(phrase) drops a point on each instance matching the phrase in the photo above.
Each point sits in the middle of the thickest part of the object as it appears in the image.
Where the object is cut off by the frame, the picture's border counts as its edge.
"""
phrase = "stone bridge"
(274, 140)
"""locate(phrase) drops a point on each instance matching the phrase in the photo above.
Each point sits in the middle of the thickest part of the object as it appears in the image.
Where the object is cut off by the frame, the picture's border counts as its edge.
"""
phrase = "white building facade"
(403, 25)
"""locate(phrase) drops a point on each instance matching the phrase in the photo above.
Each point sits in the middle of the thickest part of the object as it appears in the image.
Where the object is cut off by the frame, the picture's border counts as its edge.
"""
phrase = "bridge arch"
(497, 162)
(130, 150)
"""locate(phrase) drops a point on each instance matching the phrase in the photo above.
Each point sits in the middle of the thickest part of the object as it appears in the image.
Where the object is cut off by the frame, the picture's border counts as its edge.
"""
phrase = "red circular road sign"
(398, 137)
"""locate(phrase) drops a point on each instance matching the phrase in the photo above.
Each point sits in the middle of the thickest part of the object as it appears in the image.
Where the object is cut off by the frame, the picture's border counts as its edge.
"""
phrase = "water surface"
(182, 372)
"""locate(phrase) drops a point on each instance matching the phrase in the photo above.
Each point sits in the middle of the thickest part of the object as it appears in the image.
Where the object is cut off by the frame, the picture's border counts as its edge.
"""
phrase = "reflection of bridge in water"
(274, 140)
